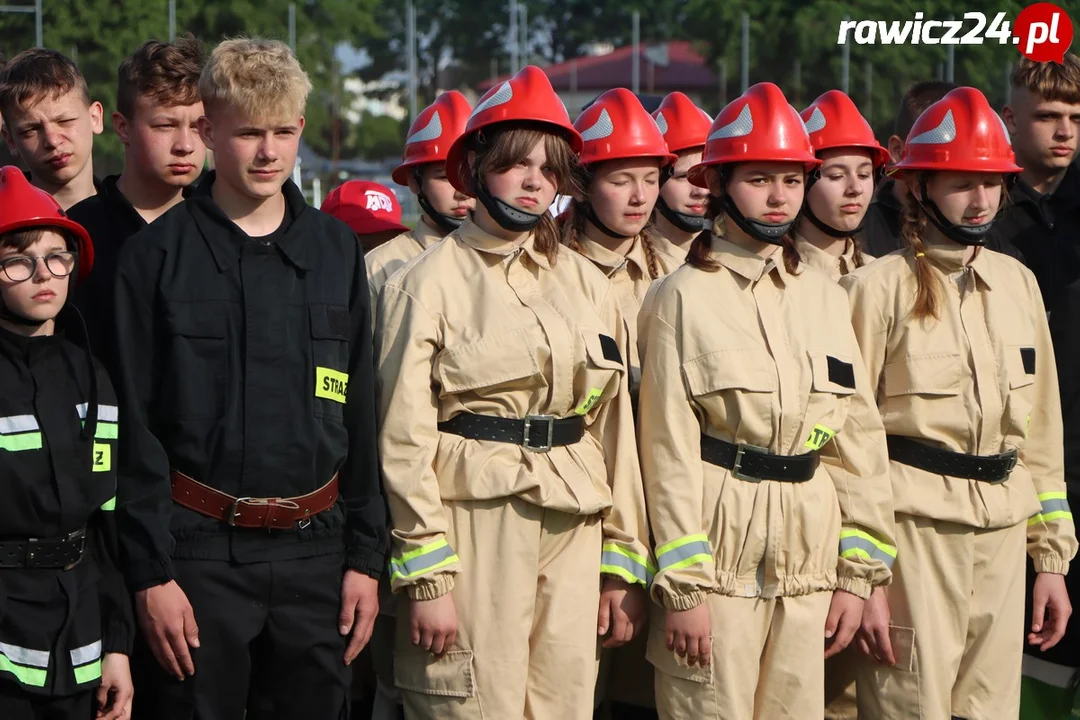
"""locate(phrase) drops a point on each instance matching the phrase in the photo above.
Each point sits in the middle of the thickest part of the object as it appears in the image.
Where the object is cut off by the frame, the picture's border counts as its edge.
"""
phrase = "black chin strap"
(507, 216)
(591, 216)
(820, 224)
(772, 233)
(686, 223)
(964, 234)
(446, 223)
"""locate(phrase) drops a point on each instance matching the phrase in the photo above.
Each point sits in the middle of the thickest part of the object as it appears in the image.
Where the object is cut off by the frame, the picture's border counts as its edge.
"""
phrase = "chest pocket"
(197, 367)
(938, 374)
(735, 390)
(330, 325)
(604, 365)
(488, 364)
(833, 374)
(1020, 363)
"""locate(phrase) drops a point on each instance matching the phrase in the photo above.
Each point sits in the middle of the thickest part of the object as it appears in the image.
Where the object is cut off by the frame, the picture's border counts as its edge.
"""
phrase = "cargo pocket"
(330, 355)
(32, 612)
(198, 363)
(938, 374)
(732, 384)
(833, 383)
(892, 691)
(682, 691)
(604, 364)
(443, 687)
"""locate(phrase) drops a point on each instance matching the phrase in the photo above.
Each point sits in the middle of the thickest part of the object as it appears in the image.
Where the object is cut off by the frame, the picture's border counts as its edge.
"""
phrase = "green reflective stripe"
(684, 552)
(26, 675)
(88, 673)
(106, 431)
(18, 424)
(1060, 515)
(425, 559)
(110, 505)
(856, 543)
(21, 442)
(30, 667)
(616, 560)
(108, 413)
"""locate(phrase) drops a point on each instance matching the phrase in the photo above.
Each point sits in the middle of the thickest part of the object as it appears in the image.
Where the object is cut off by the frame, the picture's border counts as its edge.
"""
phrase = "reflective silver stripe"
(859, 543)
(86, 654)
(25, 656)
(18, 424)
(108, 413)
(1049, 506)
(419, 564)
(630, 565)
(683, 552)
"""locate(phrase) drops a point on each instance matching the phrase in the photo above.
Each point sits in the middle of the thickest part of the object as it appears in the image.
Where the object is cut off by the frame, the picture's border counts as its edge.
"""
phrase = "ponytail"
(648, 243)
(928, 287)
(856, 252)
(791, 255)
(572, 222)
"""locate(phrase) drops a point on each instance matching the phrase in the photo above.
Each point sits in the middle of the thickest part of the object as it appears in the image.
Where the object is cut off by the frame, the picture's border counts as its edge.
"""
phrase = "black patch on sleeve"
(338, 319)
(610, 348)
(841, 373)
(1028, 356)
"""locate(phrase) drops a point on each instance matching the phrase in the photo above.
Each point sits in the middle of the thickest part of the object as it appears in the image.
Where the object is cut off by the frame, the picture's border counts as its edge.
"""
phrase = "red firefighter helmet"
(683, 124)
(527, 97)
(833, 121)
(24, 206)
(959, 132)
(758, 126)
(617, 127)
(431, 134)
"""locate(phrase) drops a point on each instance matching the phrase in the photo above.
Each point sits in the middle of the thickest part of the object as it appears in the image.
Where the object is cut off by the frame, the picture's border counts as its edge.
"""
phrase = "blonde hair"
(260, 78)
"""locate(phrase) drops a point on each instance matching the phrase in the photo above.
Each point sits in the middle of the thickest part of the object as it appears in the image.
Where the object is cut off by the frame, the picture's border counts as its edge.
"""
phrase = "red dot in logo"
(1043, 32)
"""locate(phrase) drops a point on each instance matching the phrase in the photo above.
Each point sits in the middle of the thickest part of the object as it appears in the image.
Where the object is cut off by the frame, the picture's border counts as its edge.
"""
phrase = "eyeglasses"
(21, 268)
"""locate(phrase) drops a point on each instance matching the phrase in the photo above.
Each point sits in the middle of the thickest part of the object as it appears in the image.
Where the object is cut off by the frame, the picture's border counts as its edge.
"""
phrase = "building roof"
(674, 65)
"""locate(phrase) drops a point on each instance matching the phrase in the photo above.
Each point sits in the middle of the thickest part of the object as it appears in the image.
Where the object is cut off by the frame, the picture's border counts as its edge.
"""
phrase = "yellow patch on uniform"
(589, 401)
(1027, 427)
(819, 437)
(102, 457)
(331, 384)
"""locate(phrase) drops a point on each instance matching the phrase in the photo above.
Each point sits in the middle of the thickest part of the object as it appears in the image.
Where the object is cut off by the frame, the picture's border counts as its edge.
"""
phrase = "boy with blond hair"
(49, 122)
(249, 506)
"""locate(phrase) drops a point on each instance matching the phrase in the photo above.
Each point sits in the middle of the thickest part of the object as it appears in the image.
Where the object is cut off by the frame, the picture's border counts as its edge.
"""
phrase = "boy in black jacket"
(250, 511)
(65, 620)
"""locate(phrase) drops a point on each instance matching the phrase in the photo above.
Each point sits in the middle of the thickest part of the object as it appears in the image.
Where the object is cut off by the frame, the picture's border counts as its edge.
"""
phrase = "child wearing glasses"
(65, 622)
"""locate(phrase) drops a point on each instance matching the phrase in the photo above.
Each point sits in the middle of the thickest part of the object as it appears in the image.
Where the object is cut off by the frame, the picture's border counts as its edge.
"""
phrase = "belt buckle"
(736, 470)
(1012, 458)
(529, 420)
(234, 511)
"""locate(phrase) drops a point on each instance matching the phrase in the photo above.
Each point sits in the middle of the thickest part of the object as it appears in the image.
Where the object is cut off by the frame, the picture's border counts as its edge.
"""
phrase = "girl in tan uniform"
(507, 439)
(837, 197)
(608, 220)
(680, 210)
(423, 169)
(956, 344)
(762, 452)
(838, 194)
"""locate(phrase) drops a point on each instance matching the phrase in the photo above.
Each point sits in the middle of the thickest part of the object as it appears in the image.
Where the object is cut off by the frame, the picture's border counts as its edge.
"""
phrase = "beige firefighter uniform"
(981, 381)
(482, 325)
(833, 266)
(839, 669)
(670, 256)
(754, 355)
(388, 258)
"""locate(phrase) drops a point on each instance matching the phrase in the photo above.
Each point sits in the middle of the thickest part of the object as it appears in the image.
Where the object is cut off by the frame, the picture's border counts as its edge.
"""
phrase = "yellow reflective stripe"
(88, 673)
(331, 384)
(1053, 496)
(1055, 506)
(26, 675)
(684, 552)
(107, 431)
(428, 558)
(616, 560)
(21, 442)
(110, 505)
(1050, 517)
(30, 667)
(851, 535)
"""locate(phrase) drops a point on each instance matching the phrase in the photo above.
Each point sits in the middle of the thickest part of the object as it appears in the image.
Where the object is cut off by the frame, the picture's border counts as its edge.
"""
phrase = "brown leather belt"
(248, 512)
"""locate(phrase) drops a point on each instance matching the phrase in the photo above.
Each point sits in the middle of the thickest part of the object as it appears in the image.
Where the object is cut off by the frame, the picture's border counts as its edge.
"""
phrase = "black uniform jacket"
(245, 363)
(57, 478)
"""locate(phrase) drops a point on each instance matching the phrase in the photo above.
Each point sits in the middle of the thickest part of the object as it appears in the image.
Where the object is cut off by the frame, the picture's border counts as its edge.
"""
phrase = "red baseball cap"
(366, 207)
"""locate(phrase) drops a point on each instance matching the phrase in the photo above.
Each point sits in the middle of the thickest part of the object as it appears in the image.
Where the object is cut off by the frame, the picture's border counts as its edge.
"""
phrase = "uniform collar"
(424, 235)
(949, 259)
(225, 239)
(666, 247)
(610, 261)
(749, 265)
(472, 235)
(818, 258)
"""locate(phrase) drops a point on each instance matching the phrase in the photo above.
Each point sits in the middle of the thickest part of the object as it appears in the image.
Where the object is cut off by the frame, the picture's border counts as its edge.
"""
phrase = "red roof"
(685, 70)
